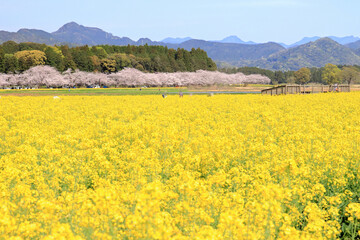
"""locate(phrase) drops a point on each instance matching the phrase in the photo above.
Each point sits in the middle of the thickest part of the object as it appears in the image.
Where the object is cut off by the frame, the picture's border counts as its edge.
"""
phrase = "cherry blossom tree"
(46, 76)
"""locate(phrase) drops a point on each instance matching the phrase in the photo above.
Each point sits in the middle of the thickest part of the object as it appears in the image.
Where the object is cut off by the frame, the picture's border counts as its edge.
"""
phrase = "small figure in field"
(140, 89)
(181, 94)
(164, 95)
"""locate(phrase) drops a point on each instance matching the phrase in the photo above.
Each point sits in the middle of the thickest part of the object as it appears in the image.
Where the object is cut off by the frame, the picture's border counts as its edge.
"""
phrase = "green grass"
(118, 91)
(91, 91)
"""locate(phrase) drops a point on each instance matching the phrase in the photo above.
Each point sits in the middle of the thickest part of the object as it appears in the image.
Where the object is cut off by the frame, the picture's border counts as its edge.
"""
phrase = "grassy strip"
(114, 91)
(91, 91)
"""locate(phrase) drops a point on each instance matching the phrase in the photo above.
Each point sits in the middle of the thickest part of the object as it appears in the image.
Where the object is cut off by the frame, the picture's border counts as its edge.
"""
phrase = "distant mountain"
(313, 54)
(341, 40)
(357, 51)
(73, 34)
(284, 45)
(175, 40)
(305, 40)
(230, 52)
(78, 34)
(344, 40)
(354, 45)
(308, 52)
(234, 39)
(27, 35)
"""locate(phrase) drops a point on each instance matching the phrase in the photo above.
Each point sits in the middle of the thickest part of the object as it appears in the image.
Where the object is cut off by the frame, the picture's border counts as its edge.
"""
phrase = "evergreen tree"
(2, 54)
(10, 47)
(122, 60)
(54, 58)
(81, 57)
(10, 63)
(68, 60)
(316, 75)
(279, 77)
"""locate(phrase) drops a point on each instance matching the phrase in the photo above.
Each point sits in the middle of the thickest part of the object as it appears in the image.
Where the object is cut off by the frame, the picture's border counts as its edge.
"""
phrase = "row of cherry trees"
(46, 76)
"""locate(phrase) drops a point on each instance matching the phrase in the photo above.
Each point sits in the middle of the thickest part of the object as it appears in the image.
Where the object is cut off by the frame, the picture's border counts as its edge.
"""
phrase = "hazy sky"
(257, 20)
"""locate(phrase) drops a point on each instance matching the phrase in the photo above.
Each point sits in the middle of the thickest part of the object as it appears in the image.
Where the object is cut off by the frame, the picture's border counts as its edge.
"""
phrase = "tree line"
(46, 76)
(329, 74)
(19, 57)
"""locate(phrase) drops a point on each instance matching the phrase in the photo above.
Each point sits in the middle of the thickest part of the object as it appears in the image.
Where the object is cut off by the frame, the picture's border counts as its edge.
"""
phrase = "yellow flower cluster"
(145, 167)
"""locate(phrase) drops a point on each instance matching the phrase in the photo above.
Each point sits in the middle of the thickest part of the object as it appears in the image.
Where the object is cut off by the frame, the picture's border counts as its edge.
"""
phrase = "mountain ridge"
(232, 50)
(312, 54)
(354, 45)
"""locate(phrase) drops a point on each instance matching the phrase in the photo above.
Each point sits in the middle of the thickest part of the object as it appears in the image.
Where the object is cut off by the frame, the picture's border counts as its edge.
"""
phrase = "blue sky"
(257, 20)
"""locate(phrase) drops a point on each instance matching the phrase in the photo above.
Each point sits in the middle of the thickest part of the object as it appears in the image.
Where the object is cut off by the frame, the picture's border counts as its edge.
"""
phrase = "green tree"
(81, 57)
(172, 62)
(68, 59)
(148, 65)
(10, 63)
(279, 77)
(331, 74)
(211, 65)
(122, 60)
(31, 46)
(108, 65)
(30, 58)
(99, 52)
(96, 63)
(10, 47)
(349, 75)
(2, 54)
(289, 77)
(302, 76)
(54, 58)
(316, 75)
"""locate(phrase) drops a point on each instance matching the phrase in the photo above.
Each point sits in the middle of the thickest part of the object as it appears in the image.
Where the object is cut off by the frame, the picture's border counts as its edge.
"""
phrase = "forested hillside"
(354, 45)
(232, 52)
(313, 54)
(18, 57)
(328, 74)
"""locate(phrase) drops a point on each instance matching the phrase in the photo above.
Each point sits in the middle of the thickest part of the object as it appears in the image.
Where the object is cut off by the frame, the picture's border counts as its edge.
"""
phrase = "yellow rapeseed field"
(145, 167)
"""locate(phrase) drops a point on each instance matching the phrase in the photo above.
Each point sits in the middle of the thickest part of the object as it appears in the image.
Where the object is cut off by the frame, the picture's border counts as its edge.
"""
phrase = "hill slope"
(78, 34)
(355, 46)
(28, 35)
(341, 40)
(231, 52)
(313, 54)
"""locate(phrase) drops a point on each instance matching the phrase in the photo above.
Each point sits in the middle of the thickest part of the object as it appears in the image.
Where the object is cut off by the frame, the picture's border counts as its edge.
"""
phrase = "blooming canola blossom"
(197, 167)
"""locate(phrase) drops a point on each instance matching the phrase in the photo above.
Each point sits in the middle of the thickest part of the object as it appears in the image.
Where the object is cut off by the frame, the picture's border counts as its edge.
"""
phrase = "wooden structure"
(305, 89)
